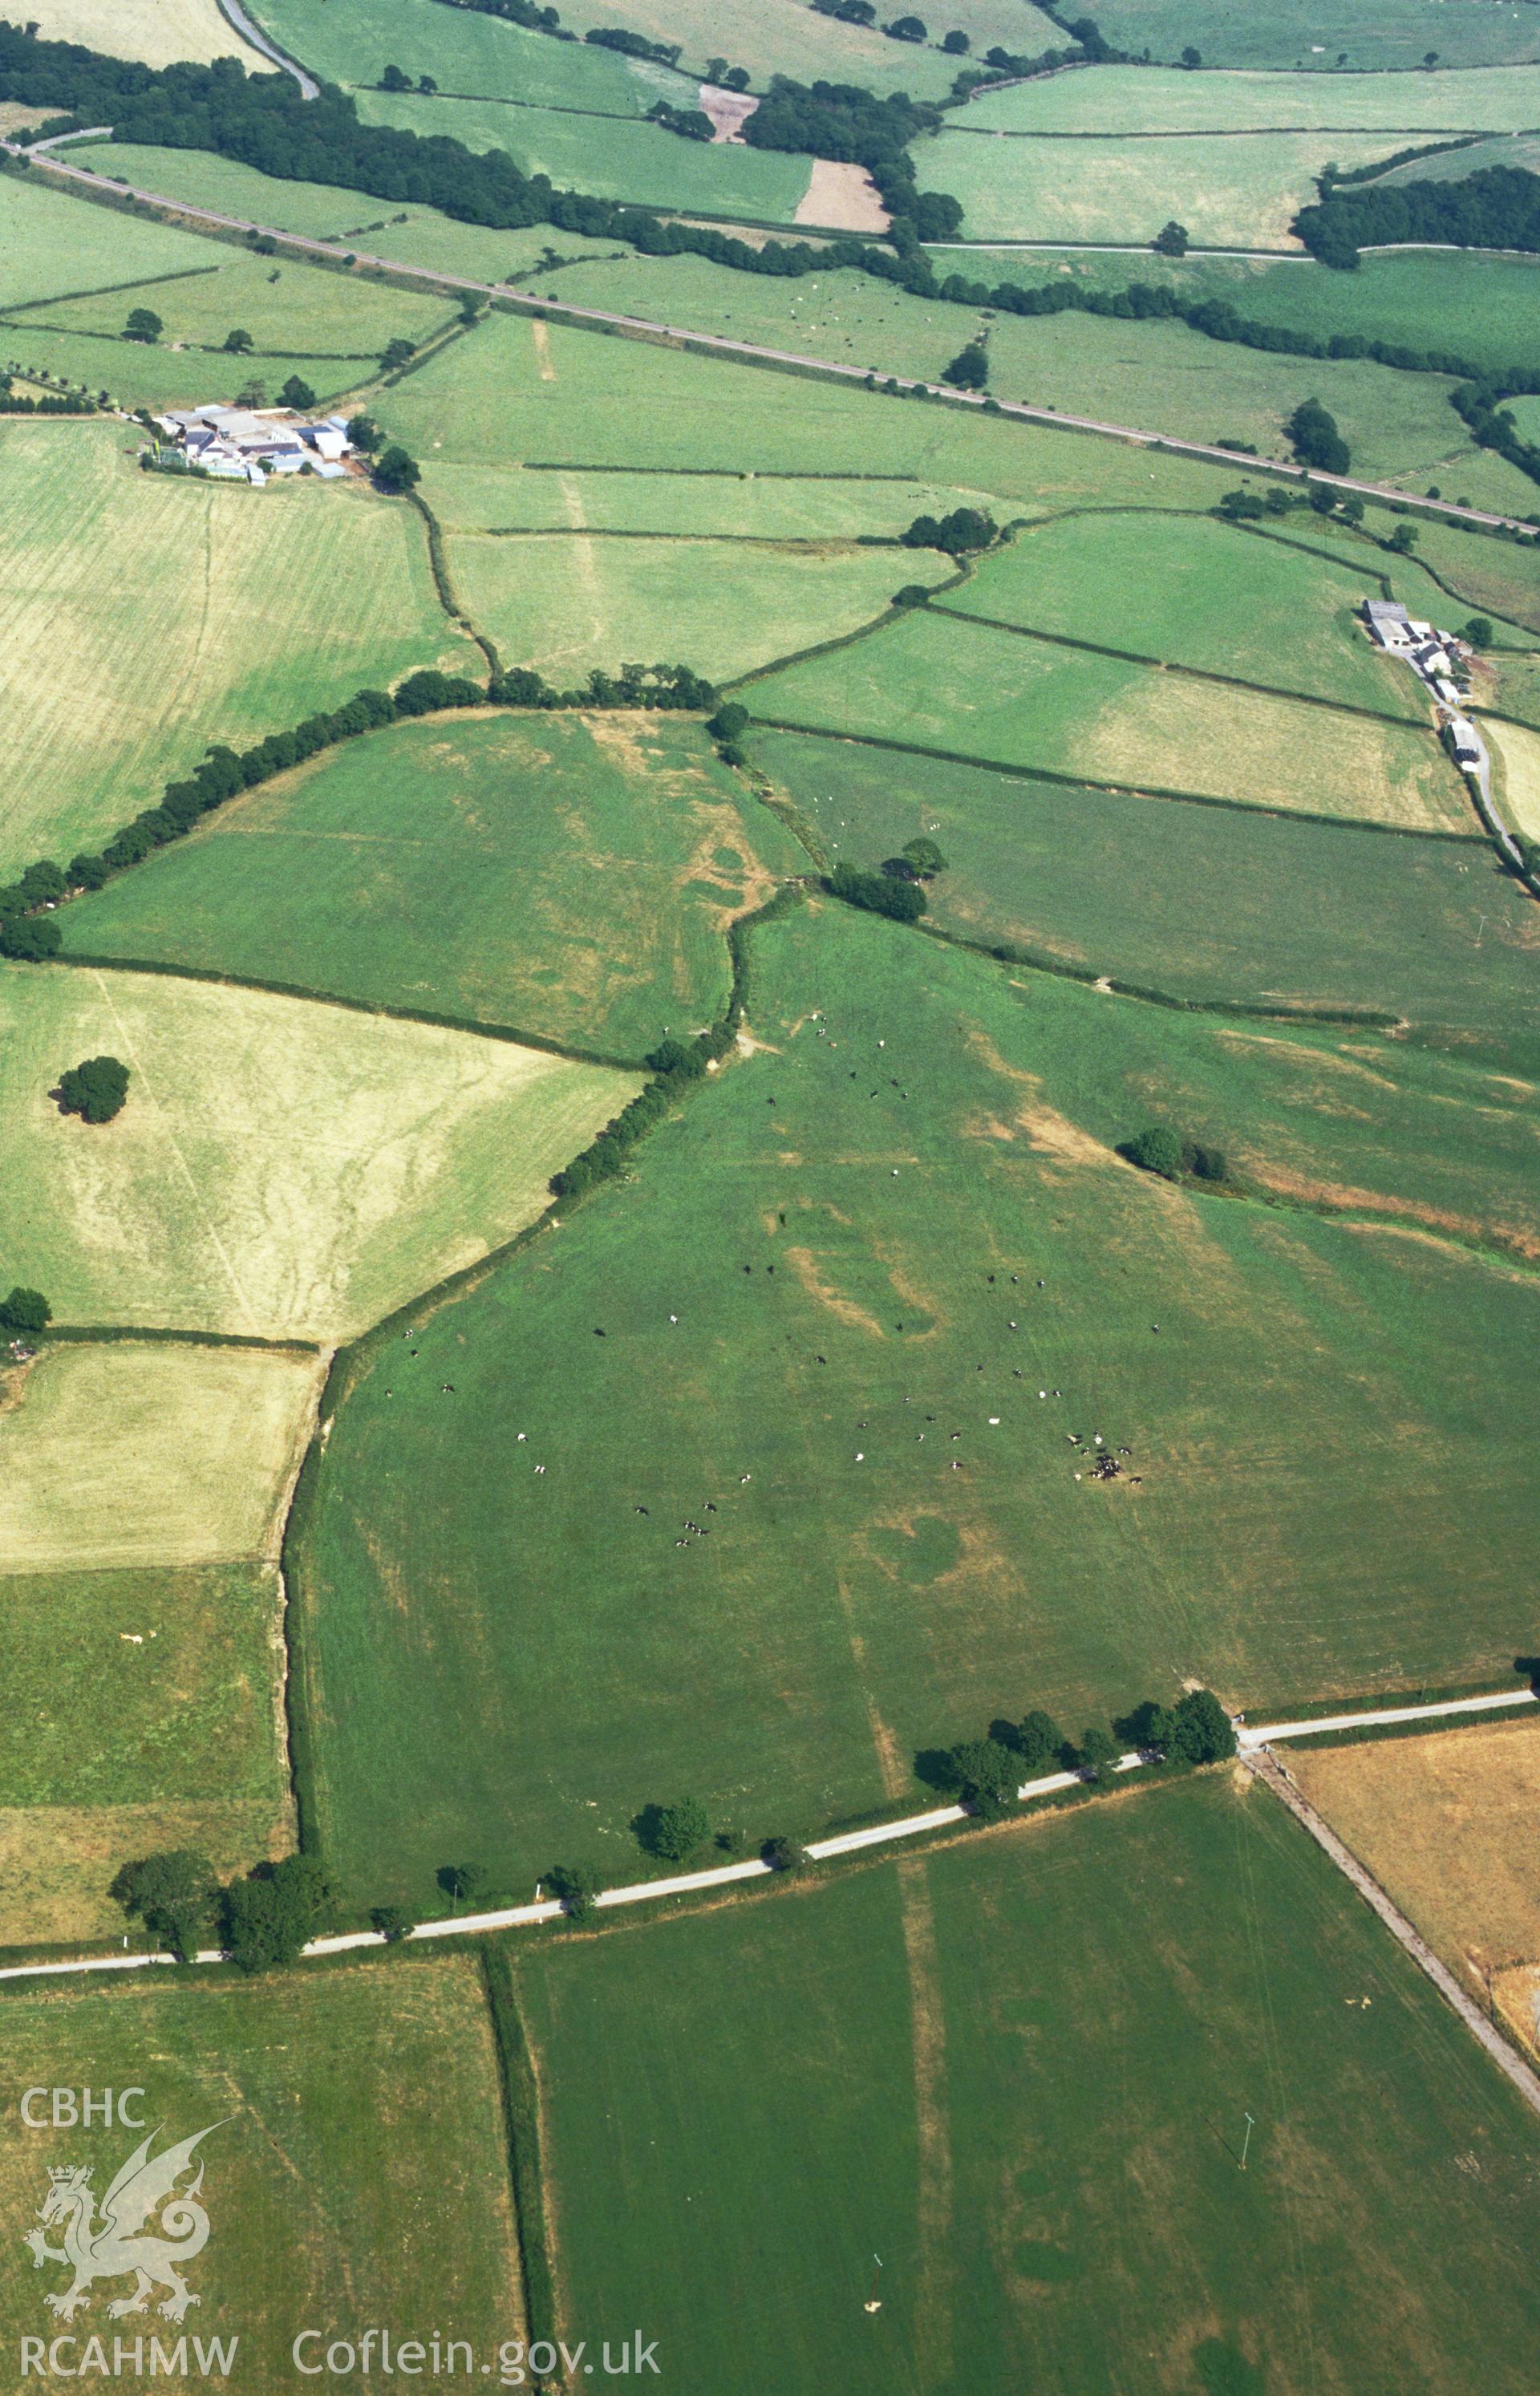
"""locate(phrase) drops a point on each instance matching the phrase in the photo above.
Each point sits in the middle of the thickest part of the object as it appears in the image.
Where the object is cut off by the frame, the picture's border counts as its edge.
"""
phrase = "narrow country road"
(718, 344)
(235, 14)
(1252, 1739)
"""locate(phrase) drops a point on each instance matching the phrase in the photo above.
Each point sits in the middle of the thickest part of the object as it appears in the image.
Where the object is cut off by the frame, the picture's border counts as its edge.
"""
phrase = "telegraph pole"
(1245, 2143)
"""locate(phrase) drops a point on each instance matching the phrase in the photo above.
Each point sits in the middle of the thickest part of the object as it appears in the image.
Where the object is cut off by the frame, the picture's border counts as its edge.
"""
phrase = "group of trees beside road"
(262, 1919)
(984, 1774)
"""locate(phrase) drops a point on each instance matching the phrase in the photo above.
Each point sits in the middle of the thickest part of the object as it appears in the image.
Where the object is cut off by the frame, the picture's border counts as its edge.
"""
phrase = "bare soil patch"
(843, 197)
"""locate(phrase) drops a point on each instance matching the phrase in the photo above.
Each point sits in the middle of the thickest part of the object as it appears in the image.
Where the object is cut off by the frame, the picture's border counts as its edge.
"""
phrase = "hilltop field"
(448, 1415)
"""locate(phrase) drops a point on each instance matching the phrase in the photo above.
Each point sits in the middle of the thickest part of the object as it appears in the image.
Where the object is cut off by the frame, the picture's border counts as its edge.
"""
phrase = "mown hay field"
(147, 1717)
(280, 1168)
(1328, 1426)
(1191, 591)
(146, 1453)
(1443, 1823)
(1236, 191)
(566, 604)
(143, 374)
(290, 310)
(357, 2175)
(1146, 99)
(1305, 34)
(1516, 758)
(158, 31)
(347, 43)
(188, 614)
(612, 157)
(1003, 2034)
(1213, 905)
(933, 681)
(568, 877)
(787, 37)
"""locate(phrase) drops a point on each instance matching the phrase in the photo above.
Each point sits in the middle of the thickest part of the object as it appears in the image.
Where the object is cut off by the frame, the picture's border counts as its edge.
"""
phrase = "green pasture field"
(160, 33)
(357, 2175)
(1025, 2090)
(146, 1717)
(1145, 99)
(565, 605)
(612, 157)
(934, 682)
(290, 311)
(1495, 578)
(1160, 376)
(134, 374)
(1526, 415)
(499, 499)
(570, 876)
(51, 244)
(1192, 592)
(148, 1454)
(787, 37)
(466, 1622)
(1480, 306)
(280, 1168)
(1510, 685)
(346, 42)
(1206, 904)
(519, 390)
(1231, 191)
(190, 613)
(1303, 34)
(1521, 149)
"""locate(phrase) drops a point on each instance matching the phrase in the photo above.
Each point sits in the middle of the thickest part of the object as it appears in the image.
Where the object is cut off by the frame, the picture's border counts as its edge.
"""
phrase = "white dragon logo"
(145, 2185)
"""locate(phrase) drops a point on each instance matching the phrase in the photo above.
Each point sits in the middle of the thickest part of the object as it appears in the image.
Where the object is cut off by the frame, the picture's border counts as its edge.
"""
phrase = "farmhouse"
(242, 444)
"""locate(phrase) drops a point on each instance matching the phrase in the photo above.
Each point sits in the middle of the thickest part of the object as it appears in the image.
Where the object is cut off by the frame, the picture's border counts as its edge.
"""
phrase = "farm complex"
(770, 1196)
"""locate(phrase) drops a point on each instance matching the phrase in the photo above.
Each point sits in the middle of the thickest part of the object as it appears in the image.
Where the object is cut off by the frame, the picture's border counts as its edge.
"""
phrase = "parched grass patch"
(55, 243)
(1516, 779)
(1191, 591)
(280, 1168)
(724, 607)
(188, 614)
(148, 1454)
(1208, 905)
(357, 2174)
(932, 682)
(793, 1290)
(570, 876)
(1240, 191)
(931, 2061)
(702, 506)
(1156, 99)
(159, 31)
(146, 1716)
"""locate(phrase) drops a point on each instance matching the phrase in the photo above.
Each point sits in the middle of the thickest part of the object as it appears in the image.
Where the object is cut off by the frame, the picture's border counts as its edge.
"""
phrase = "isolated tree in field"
(395, 471)
(239, 342)
(577, 1887)
(1316, 441)
(1477, 633)
(925, 858)
(426, 84)
(94, 1090)
(462, 1884)
(1171, 239)
(1403, 539)
(1040, 1742)
(1097, 1752)
(673, 1832)
(395, 79)
(295, 393)
(970, 369)
(25, 1312)
(396, 355)
(956, 43)
(1156, 1150)
(269, 1916)
(143, 325)
(906, 29)
(728, 722)
(175, 1895)
(957, 535)
(1191, 58)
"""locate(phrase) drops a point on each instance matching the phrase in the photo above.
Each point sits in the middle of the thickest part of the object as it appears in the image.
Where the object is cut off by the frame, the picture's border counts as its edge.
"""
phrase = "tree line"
(1497, 208)
(223, 773)
(985, 1774)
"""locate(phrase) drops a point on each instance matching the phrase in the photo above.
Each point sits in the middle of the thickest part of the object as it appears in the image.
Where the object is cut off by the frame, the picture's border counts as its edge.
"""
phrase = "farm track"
(749, 352)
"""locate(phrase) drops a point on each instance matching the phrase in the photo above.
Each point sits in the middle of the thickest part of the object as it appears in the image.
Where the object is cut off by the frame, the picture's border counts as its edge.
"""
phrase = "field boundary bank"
(1114, 790)
(742, 353)
(106, 1335)
(449, 597)
(1175, 666)
(628, 532)
(1049, 1791)
(520, 2087)
(1276, 1777)
(570, 1055)
(1464, 135)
